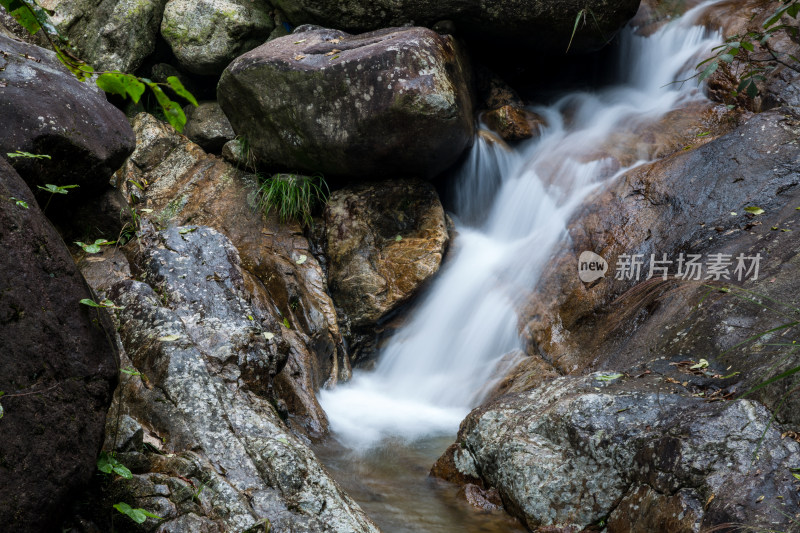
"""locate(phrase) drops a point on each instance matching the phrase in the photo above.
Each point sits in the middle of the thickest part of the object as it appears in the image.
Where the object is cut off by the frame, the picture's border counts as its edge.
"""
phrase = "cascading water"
(512, 208)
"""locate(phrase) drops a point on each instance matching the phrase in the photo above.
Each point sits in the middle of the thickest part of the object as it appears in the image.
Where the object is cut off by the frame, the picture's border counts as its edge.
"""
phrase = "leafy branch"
(739, 51)
(34, 18)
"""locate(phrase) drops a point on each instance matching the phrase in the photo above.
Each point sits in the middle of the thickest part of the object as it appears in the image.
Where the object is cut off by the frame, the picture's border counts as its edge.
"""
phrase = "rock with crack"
(384, 241)
(392, 102)
(182, 184)
(205, 387)
(634, 452)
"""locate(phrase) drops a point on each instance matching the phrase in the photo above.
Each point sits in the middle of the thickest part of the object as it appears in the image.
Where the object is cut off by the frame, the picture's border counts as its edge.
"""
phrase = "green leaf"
(137, 515)
(172, 111)
(286, 323)
(796, 475)
(23, 13)
(710, 69)
(107, 464)
(27, 155)
(21, 203)
(701, 364)
(90, 303)
(398, 238)
(180, 90)
(727, 58)
(130, 371)
(754, 210)
(302, 259)
(184, 231)
(89, 248)
(608, 377)
(747, 46)
(122, 84)
(57, 189)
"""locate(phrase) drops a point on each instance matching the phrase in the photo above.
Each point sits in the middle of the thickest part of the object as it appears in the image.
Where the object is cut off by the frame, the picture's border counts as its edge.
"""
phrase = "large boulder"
(383, 242)
(206, 35)
(639, 453)
(59, 366)
(109, 34)
(182, 184)
(44, 109)
(543, 26)
(206, 358)
(392, 102)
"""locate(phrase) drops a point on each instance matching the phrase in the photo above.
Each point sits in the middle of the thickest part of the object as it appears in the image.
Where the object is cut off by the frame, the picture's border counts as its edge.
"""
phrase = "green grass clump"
(292, 197)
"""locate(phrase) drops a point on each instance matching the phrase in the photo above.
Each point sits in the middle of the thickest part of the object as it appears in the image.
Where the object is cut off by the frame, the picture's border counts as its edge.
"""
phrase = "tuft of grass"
(292, 197)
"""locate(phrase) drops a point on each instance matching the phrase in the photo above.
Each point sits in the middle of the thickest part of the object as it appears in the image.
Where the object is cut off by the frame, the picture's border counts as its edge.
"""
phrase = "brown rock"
(384, 241)
(514, 123)
(645, 510)
(485, 500)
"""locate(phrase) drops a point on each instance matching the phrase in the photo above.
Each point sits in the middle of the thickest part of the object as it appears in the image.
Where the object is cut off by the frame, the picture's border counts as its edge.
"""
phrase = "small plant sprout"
(108, 464)
(106, 303)
(55, 189)
(21, 203)
(94, 248)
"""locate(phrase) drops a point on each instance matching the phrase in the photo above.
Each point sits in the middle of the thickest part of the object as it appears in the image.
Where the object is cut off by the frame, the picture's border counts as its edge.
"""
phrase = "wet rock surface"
(182, 184)
(208, 126)
(692, 202)
(59, 366)
(514, 123)
(44, 109)
(109, 34)
(206, 363)
(545, 26)
(635, 451)
(392, 102)
(206, 35)
(383, 242)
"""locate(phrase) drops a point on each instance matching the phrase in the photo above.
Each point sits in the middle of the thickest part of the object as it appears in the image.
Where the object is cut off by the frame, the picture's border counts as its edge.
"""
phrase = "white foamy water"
(511, 210)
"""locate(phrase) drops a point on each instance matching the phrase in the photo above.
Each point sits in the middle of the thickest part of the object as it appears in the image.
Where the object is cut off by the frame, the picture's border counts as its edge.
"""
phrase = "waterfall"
(511, 210)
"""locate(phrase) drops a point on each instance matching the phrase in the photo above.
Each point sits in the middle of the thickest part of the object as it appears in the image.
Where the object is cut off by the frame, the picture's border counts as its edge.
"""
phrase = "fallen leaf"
(300, 41)
(298, 57)
(333, 52)
(754, 210)
(269, 336)
(760, 499)
(336, 41)
(169, 338)
(302, 259)
(701, 364)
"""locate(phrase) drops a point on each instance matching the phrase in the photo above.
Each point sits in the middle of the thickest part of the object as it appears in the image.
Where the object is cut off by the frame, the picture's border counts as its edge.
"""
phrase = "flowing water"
(511, 209)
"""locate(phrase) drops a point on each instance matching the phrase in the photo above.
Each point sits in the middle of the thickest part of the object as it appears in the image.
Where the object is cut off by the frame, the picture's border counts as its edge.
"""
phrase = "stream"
(511, 208)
